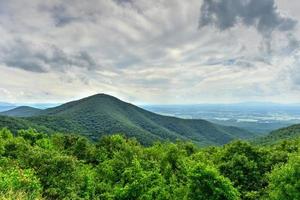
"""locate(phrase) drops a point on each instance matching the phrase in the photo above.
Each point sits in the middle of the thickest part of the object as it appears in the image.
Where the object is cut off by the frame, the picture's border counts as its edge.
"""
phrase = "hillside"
(15, 124)
(22, 111)
(102, 114)
(290, 132)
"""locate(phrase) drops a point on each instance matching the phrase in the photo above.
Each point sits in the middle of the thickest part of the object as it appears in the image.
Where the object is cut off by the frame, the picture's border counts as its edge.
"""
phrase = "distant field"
(260, 118)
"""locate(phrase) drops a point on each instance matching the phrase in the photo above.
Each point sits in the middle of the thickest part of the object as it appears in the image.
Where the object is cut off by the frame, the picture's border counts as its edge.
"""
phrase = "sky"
(156, 52)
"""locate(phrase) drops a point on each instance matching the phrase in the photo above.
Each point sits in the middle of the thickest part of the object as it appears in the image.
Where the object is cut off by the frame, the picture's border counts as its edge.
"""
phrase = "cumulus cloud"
(44, 58)
(148, 51)
(262, 14)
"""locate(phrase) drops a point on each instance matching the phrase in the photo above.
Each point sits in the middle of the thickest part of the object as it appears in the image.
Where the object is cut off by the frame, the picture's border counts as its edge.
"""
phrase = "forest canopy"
(34, 165)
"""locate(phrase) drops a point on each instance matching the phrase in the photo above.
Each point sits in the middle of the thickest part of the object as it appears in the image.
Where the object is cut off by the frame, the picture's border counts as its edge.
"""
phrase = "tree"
(285, 181)
(205, 183)
(246, 166)
(137, 183)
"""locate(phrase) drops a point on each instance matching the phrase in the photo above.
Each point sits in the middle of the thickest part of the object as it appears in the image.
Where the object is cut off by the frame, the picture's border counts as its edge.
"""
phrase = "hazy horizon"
(248, 103)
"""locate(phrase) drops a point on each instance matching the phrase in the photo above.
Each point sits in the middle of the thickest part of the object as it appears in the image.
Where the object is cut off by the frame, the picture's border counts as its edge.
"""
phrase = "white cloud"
(142, 51)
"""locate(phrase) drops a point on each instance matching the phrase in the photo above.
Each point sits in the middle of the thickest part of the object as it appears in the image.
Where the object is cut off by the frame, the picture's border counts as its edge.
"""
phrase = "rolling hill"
(22, 111)
(290, 132)
(102, 114)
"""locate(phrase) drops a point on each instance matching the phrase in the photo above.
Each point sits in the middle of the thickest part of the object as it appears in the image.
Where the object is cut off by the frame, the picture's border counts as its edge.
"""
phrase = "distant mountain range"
(8, 106)
(102, 114)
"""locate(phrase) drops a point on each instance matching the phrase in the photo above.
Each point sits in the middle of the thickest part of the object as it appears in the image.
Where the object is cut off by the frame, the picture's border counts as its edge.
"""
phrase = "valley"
(260, 118)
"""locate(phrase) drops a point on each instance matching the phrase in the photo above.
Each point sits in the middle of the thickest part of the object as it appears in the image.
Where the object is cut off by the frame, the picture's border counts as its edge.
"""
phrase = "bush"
(21, 182)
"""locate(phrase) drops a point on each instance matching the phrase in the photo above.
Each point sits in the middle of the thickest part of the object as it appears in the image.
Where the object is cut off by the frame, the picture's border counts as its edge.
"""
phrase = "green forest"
(34, 165)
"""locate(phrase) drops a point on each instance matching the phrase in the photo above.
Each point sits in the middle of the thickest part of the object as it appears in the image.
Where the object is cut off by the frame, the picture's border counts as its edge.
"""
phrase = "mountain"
(6, 106)
(22, 111)
(290, 132)
(102, 114)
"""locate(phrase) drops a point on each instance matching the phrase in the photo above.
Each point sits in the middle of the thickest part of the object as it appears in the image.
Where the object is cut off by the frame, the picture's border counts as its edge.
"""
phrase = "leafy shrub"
(21, 182)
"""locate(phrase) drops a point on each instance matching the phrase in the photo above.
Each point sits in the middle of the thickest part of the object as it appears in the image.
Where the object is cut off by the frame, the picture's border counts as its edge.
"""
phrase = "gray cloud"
(293, 44)
(262, 14)
(293, 71)
(61, 16)
(238, 62)
(148, 50)
(123, 1)
(41, 59)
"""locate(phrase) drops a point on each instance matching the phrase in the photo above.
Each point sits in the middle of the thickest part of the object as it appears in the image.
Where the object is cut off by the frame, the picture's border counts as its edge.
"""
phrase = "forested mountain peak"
(103, 114)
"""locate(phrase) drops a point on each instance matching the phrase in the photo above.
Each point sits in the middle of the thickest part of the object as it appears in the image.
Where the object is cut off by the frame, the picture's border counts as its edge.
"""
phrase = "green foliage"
(13, 179)
(285, 181)
(38, 166)
(206, 184)
(16, 124)
(244, 165)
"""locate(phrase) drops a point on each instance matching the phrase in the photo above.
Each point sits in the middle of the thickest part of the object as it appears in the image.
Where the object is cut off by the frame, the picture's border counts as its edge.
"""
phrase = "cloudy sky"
(162, 51)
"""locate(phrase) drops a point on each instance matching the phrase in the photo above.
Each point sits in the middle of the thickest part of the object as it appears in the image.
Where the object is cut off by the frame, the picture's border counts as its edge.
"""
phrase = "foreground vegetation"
(39, 166)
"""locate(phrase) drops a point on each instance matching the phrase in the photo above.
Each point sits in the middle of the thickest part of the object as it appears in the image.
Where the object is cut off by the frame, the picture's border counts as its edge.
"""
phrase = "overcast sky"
(142, 51)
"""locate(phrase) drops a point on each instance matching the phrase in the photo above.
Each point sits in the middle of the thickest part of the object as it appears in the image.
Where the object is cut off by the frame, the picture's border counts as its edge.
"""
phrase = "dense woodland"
(40, 166)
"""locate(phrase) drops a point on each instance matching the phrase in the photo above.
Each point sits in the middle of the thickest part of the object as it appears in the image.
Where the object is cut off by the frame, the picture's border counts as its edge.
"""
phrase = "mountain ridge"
(103, 114)
(287, 133)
